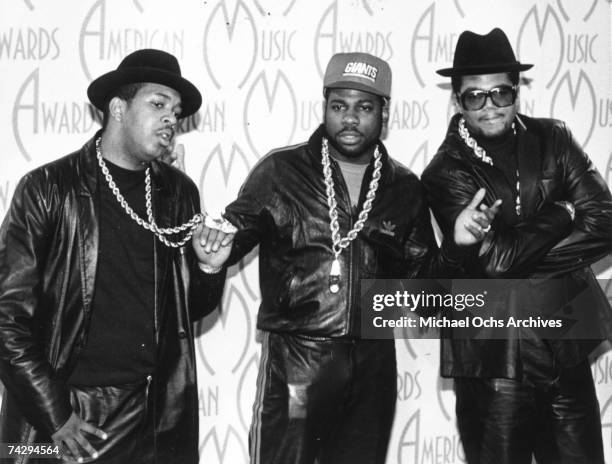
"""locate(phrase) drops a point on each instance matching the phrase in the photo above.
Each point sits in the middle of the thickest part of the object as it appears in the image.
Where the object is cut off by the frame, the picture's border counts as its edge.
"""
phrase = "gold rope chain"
(340, 243)
(481, 154)
(150, 225)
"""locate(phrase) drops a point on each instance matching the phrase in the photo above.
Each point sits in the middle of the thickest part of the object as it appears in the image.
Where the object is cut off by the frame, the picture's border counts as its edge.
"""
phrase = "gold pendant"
(334, 276)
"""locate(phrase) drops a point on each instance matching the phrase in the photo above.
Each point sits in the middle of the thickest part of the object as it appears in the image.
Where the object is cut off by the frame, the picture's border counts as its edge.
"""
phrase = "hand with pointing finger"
(474, 222)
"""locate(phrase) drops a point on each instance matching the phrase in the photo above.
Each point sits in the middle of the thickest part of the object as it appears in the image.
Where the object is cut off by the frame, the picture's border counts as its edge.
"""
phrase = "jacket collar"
(530, 164)
(87, 167)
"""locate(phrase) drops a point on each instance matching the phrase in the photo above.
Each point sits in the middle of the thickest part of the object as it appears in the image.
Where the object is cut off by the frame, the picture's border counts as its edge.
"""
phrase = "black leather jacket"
(282, 206)
(48, 255)
(544, 243)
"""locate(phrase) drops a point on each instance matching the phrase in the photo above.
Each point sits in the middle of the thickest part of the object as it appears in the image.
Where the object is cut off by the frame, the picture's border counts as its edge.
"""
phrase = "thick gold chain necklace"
(340, 243)
(150, 223)
(481, 154)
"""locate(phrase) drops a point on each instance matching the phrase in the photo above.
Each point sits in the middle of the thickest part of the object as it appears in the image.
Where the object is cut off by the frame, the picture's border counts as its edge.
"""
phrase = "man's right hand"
(175, 156)
(472, 225)
(212, 246)
(71, 437)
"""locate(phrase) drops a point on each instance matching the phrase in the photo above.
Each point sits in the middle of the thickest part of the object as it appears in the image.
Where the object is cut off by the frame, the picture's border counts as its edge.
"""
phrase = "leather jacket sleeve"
(24, 368)
(509, 251)
(421, 253)
(591, 235)
(249, 212)
(205, 290)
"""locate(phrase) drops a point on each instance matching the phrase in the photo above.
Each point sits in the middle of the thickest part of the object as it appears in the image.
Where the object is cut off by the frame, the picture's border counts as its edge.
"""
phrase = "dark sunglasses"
(501, 96)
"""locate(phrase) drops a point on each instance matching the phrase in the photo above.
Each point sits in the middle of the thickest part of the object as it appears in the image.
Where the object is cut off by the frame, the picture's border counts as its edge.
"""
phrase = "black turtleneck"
(502, 151)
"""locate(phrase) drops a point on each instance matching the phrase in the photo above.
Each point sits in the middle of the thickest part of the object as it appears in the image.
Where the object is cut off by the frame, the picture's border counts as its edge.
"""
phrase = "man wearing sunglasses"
(528, 394)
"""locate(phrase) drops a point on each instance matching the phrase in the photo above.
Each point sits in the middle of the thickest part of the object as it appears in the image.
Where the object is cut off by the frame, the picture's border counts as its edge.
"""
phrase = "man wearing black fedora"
(101, 274)
(525, 395)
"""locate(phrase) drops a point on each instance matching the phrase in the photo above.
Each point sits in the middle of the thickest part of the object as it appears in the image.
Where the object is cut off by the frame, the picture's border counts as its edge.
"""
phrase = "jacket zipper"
(149, 380)
(347, 203)
(353, 250)
(147, 387)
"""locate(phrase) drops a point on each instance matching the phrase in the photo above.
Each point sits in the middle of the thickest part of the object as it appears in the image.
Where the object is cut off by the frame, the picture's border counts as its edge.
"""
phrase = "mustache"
(491, 116)
(349, 131)
(170, 128)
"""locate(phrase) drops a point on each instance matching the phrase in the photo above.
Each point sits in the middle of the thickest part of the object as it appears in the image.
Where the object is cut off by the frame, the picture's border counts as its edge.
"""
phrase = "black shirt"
(120, 346)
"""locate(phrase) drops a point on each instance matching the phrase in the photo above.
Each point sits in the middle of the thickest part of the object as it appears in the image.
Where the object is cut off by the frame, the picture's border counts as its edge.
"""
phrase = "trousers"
(121, 412)
(551, 414)
(332, 400)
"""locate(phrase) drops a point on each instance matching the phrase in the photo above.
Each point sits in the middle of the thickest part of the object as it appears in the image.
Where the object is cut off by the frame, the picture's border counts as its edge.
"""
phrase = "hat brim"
(345, 84)
(484, 69)
(102, 87)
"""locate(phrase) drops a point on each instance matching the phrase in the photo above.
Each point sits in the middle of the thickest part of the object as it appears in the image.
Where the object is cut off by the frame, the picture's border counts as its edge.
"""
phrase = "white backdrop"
(259, 65)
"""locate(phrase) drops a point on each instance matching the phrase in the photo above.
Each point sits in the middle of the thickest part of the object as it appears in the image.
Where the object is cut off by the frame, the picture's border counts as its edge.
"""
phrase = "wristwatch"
(209, 269)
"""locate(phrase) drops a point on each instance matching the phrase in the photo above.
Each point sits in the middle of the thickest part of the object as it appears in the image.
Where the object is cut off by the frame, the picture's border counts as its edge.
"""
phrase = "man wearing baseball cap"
(100, 280)
(327, 213)
(530, 394)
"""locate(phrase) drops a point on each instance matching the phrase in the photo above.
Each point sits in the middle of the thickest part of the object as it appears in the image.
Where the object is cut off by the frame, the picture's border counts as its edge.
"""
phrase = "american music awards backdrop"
(259, 65)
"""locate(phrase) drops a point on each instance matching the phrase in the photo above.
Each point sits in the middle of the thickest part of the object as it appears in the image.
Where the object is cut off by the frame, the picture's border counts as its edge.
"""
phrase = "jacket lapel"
(87, 222)
(529, 165)
(164, 213)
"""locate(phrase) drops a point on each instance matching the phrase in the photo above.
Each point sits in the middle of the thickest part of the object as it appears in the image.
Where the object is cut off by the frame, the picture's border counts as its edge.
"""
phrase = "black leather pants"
(121, 412)
(330, 400)
(550, 414)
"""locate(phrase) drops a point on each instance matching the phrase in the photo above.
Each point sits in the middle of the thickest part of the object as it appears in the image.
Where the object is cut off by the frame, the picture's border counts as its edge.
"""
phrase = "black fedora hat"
(146, 65)
(483, 54)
